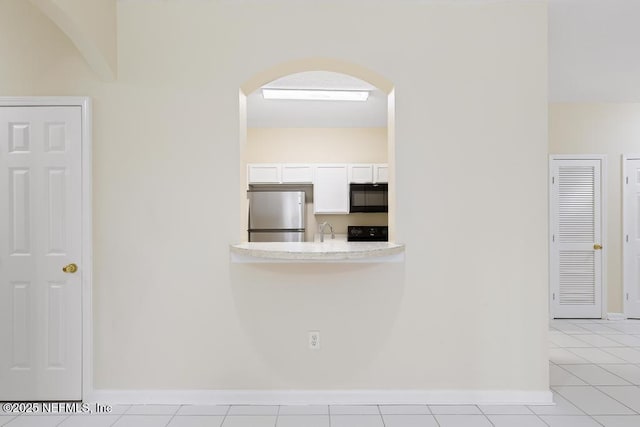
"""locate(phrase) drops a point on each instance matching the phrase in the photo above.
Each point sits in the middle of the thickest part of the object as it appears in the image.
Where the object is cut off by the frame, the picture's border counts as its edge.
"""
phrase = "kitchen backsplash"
(340, 222)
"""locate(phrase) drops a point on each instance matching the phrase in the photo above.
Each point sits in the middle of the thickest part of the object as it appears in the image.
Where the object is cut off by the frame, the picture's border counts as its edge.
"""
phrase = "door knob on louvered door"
(71, 268)
(597, 247)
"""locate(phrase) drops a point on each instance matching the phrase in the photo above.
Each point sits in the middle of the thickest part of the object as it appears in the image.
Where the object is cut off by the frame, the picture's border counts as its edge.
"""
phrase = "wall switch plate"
(314, 340)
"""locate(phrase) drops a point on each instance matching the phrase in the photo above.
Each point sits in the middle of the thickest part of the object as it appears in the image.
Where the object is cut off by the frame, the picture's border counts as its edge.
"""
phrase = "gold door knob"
(71, 268)
(597, 247)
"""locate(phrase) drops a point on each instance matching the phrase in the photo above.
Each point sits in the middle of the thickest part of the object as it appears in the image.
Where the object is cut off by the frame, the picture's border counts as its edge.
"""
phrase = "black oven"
(358, 233)
(369, 198)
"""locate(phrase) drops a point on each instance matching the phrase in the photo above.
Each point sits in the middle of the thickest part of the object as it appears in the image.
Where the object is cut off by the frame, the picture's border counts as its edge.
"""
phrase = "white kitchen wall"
(468, 308)
(611, 129)
(316, 145)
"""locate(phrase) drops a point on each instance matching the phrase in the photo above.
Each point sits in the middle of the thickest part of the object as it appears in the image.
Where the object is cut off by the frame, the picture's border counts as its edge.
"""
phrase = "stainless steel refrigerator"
(276, 216)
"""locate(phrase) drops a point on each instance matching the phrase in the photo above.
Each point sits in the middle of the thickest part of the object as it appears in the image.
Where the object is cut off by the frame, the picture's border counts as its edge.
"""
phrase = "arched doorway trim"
(316, 64)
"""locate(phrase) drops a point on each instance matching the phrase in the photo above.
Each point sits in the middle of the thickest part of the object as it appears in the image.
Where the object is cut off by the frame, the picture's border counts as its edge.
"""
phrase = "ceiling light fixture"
(316, 95)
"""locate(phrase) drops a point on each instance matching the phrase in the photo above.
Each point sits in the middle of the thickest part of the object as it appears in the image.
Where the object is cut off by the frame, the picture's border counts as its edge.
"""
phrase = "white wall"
(614, 130)
(316, 145)
(91, 26)
(468, 308)
(39, 58)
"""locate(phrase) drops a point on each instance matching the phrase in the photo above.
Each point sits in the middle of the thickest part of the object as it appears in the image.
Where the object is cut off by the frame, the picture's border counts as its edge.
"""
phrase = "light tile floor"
(594, 374)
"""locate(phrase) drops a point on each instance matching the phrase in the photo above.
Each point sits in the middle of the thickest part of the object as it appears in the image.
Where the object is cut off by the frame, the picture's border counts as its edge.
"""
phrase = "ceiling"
(594, 50)
(594, 56)
(287, 113)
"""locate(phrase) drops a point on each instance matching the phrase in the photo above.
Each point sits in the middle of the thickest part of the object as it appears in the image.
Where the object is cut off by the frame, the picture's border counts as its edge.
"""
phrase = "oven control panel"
(362, 233)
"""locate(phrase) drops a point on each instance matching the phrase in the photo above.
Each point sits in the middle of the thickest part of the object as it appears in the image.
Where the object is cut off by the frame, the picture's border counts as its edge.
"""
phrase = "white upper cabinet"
(331, 189)
(264, 173)
(366, 172)
(297, 173)
(360, 173)
(302, 173)
(380, 172)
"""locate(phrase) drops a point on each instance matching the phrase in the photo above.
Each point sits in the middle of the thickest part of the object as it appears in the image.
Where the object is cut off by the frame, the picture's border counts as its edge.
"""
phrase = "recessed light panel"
(316, 95)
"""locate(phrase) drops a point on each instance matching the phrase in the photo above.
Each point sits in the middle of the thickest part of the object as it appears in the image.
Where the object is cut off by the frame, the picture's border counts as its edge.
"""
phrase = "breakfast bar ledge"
(328, 251)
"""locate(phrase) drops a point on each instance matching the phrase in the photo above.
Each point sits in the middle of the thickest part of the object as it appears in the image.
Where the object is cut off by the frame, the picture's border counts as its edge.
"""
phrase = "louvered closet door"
(576, 231)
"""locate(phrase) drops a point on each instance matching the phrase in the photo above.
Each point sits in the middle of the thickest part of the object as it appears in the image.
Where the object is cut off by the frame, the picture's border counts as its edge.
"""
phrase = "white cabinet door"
(331, 189)
(380, 173)
(631, 238)
(40, 233)
(360, 173)
(297, 174)
(576, 233)
(263, 173)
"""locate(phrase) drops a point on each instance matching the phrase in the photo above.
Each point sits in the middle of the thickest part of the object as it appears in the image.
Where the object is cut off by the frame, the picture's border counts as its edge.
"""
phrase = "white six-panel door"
(576, 260)
(40, 234)
(631, 237)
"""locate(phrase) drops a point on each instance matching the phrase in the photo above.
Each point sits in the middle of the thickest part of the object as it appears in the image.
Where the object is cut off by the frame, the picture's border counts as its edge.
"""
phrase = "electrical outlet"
(314, 340)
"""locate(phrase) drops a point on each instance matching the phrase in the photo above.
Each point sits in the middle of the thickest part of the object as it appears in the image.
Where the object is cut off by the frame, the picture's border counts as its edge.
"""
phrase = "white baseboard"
(320, 397)
(616, 316)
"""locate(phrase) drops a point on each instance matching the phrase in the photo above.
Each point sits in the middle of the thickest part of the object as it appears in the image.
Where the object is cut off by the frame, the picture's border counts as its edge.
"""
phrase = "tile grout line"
(591, 385)
(224, 419)
(601, 391)
(596, 421)
(613, 373)
(594, 346)
(381, 417)
(487, 417)
(540, 418)
(611, 397)
(603, 334)
(121, 415)
(613, 338)
(591, 362)
(576, 355)
(571, 373)
(63, 420)
(173, 416)
(599, 365)
(612, 332)
(608, 352)
(434, 416)
(484, 415)
(572, 404)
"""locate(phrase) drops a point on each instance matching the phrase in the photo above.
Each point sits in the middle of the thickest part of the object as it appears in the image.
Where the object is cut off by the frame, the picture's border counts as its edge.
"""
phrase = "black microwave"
(369, 198)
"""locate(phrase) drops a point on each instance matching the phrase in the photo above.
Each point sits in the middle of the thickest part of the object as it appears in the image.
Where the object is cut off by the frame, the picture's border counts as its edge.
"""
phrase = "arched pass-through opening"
(317, 64)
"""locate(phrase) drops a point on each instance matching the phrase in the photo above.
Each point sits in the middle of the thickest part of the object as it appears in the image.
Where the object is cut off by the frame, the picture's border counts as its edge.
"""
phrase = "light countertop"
(331, 250)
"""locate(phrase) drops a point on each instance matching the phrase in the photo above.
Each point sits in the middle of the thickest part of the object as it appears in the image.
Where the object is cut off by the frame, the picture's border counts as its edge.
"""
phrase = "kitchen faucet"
(322, 226)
